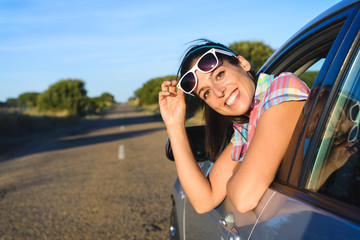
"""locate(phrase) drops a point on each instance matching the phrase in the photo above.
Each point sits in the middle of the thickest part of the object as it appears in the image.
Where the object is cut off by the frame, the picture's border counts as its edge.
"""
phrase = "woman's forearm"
(196, 186)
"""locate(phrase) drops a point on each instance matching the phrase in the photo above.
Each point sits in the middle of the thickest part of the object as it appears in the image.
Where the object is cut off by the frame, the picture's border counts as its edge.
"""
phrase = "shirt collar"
(262, 85)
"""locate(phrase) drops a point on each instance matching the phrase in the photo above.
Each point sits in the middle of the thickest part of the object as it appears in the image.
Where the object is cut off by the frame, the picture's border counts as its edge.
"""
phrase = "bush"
(28, 99)
(255, 52)
(66, 95)
(97, 104)
(148, 94)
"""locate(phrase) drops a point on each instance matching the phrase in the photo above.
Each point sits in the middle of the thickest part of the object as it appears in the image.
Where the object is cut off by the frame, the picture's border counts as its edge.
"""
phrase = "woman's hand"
(340, 153)
(338, 156)
(172, 104)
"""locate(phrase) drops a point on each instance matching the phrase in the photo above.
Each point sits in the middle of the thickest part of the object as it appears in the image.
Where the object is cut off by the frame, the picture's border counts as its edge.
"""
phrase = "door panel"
(287, 218)
(206, 226)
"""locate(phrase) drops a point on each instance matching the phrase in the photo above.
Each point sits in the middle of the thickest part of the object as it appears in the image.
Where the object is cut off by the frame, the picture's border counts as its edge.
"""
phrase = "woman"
(247, 165)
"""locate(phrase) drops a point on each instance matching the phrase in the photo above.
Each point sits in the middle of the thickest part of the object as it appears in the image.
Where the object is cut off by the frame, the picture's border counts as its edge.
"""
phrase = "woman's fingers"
(168, 89)
(172, 87)
(163, 95)
(164, 86)
(169, 86)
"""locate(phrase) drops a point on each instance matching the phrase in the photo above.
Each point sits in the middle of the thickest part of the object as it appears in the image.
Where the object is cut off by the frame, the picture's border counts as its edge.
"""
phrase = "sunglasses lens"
(353, 133)
(354, 111)
(188, 82)
(207, 63)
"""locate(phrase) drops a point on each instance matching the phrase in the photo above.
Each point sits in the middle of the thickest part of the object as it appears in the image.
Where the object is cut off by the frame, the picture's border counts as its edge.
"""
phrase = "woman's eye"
(220, 75)
(206, 94)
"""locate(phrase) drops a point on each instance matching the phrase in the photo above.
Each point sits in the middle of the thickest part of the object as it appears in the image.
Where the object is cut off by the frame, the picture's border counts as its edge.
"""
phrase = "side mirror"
(196, 136)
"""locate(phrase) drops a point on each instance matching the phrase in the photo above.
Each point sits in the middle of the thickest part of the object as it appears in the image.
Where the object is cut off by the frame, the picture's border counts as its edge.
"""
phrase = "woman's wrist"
(177, 134)
(178, 124)
(175, 128)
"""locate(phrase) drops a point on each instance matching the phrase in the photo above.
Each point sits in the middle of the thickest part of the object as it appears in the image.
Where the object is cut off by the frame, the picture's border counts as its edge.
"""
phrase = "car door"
(319, 179)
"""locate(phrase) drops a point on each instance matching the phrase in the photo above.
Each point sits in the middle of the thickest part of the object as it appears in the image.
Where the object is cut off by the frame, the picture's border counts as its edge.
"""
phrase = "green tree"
(255, 52)
(107, 98)
(148, 94)
(97, 104)
(92, 105)
(68, 94)
(28, 99)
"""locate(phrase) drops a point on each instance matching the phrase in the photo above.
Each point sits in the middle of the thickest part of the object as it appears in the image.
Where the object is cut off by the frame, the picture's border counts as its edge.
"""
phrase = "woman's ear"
(244, 63)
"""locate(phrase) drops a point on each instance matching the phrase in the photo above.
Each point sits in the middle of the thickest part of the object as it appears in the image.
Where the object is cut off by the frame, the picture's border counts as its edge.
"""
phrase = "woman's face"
(229, 89)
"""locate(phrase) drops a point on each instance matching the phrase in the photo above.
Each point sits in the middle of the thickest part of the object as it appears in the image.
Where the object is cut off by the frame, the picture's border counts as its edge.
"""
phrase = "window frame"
(336, 75)
(332, 72)
(327, 75)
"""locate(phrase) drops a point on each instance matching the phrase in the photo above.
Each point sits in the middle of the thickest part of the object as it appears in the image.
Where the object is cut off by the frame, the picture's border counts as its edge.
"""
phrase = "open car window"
(307, 59)
(310, 73)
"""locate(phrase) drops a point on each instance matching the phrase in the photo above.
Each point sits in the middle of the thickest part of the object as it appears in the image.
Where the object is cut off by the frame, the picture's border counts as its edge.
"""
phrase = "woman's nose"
(219, 91)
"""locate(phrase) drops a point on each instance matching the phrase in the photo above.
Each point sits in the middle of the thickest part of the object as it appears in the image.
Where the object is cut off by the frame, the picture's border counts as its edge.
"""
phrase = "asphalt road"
(106, 179)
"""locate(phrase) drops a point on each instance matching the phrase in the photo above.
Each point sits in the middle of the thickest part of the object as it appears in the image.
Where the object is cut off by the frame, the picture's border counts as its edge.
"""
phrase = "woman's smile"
(233, 98)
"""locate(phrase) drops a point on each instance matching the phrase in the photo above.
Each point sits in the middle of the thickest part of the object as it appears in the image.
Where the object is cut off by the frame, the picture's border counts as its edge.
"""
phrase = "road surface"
(108, 178)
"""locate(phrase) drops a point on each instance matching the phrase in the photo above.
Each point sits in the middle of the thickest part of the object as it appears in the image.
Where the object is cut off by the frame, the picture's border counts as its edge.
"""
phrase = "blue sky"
(116, 46)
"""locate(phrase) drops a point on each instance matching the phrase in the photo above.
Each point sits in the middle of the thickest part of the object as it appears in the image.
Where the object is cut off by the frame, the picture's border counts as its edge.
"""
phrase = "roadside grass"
(21, 128)
(149, 109)
(18, 130)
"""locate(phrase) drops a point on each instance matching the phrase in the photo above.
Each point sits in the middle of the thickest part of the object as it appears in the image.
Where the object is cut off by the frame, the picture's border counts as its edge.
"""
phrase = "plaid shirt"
(270, 91)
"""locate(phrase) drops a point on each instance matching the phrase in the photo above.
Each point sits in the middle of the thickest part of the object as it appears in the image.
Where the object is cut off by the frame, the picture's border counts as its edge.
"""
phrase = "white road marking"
(122, 152)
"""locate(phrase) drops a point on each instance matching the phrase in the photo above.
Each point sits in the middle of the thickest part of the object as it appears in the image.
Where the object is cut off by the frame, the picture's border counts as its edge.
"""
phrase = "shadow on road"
(76, 136)
(91, 125)
(86, 140)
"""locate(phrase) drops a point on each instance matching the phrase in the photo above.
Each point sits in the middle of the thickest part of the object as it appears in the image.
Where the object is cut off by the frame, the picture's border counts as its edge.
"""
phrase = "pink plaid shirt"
(270, 91)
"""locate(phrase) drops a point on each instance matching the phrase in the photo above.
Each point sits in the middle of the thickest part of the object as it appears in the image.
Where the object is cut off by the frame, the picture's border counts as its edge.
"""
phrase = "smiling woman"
(258, 108)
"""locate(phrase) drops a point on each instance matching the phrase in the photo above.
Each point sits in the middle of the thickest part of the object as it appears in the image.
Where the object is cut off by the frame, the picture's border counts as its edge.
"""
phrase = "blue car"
(316, 192)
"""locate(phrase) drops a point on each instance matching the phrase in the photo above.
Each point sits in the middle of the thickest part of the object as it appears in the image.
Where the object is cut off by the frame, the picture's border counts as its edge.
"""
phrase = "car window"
(311, 73)
(342, 31)
(336, 170)
(312, 57)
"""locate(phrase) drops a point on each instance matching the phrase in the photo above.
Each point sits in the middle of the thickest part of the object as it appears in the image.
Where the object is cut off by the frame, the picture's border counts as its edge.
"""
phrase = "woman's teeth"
(232, 98)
